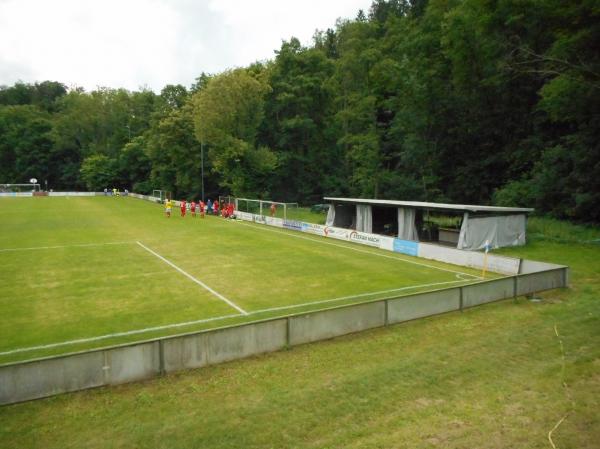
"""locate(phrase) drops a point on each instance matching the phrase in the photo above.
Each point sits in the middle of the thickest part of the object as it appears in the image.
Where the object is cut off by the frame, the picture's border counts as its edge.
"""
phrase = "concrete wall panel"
(473, 259)
(22, 382)
(129, 363)
(331, 323)
(422, 305)
(184, 352)
(533, 266)
(489, 291)
(243, 341)
(537, 282)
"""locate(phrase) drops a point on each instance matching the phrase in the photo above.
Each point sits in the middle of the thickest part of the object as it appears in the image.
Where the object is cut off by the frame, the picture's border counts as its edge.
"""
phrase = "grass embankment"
(491, 377)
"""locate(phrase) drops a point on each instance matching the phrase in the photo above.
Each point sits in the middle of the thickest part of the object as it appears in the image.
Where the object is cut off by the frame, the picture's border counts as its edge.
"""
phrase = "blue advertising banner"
(406, 247)
(292, 224)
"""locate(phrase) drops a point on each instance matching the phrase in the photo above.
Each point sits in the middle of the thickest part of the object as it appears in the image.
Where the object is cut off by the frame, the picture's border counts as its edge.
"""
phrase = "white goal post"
(278, 209)
(29, 187)
(160, 195)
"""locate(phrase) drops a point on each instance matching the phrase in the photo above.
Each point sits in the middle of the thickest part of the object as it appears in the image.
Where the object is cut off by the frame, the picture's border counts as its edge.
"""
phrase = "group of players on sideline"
(115, 192)
(200, 208)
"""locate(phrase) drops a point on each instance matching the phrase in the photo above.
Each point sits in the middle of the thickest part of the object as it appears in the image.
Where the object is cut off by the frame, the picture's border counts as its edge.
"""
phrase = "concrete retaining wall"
(488, 291)
(472, 259)
(423, 304)
(196, 350)
(533, 266)
(126, 363)
(334, 322)
(130, 363)
(540, 281)
(38, 379)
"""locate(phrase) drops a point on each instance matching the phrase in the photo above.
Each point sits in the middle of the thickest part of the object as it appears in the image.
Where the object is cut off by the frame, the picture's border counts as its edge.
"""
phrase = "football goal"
(161, 195)
(287, 211)
(8, 188)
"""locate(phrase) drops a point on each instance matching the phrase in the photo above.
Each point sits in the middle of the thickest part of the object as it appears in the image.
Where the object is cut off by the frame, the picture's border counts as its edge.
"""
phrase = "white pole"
(202, 167)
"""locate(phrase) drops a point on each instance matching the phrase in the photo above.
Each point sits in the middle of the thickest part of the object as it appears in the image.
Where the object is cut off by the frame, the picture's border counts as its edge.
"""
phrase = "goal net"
(161, 195)
(224, 200)
(8, 188)
(267, 208)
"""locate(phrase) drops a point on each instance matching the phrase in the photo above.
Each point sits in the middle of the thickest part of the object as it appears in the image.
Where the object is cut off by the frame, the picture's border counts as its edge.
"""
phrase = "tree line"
(465, 101)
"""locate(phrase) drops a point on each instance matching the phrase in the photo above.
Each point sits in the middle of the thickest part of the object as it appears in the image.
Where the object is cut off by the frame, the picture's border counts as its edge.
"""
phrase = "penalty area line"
(193, 279)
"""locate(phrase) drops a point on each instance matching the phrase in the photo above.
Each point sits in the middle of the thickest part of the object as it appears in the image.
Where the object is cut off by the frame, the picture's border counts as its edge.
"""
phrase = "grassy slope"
(489, 377)
(61, 294)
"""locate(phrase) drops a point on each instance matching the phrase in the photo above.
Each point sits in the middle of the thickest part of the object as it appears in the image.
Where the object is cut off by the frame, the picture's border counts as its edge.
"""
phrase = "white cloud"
(132, 43)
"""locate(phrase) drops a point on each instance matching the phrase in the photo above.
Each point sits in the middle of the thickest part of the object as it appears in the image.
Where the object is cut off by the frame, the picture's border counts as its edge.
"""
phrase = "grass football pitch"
(504, 375)
(85, 272)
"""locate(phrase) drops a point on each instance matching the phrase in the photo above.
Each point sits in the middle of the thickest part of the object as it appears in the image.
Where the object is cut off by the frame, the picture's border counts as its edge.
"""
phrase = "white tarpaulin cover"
(364, 218)
(507, 230)
(407, 229)
(330, 215)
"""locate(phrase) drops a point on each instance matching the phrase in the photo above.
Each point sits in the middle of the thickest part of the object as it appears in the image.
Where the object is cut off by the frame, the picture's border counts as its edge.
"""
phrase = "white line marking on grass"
(360, 250)
(82, 245)
(192, 278)
(118, 334)
(208, 320)
(362, 295)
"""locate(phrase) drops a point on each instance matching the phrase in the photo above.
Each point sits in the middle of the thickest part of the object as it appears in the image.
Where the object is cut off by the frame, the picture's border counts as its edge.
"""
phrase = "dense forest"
(476, 101)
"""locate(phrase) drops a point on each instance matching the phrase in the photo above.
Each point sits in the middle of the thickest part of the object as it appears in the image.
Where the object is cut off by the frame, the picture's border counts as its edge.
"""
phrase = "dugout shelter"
(462, 226)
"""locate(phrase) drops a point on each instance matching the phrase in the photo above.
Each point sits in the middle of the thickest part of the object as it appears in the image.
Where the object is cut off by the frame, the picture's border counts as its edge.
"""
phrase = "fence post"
(460, 298)
(515, 288)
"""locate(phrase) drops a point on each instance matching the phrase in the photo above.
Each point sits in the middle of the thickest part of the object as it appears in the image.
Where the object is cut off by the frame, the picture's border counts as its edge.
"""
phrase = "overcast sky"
(136, 43)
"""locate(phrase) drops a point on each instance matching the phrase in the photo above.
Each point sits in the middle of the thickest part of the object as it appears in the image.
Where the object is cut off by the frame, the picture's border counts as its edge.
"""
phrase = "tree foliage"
(457, 101)
(98, 171)
(228, 112)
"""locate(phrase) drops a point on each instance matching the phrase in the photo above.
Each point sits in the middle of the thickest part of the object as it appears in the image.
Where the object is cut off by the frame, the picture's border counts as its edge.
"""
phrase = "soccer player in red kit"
(183, 208)
(216, 207)
(201, 206)
(230, 210)
(193, 209)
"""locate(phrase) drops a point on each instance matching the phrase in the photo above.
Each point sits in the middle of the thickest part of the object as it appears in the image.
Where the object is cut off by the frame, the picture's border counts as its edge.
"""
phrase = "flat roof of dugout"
(433, 206)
